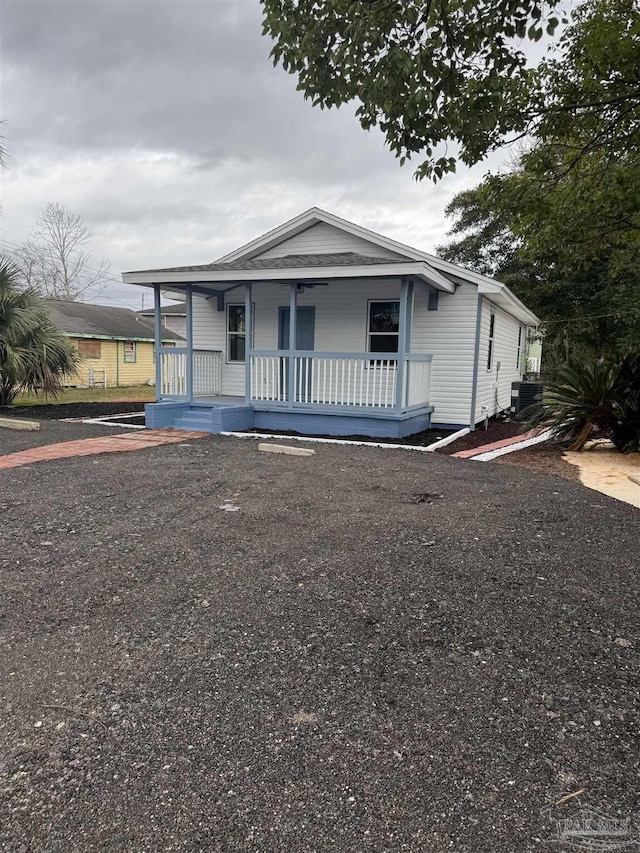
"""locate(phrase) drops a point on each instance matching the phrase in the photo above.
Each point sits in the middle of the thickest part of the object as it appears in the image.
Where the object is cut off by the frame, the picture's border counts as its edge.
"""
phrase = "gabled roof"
(311, 217)
(86, 320)
(495, 290)
(179, 310)
(242, 264)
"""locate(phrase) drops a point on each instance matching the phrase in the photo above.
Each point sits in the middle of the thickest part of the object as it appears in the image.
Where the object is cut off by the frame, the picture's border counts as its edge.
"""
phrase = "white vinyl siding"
(326, 239)
(340, 319)
(448, 334)
(210, 332)
(340, 316)
(494, 386)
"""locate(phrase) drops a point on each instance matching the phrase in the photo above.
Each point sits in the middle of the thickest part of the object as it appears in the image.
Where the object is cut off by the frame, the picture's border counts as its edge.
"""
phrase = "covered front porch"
(271, 369)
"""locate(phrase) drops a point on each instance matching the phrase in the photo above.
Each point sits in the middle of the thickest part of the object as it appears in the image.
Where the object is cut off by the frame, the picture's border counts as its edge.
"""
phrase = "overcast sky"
(166, 127)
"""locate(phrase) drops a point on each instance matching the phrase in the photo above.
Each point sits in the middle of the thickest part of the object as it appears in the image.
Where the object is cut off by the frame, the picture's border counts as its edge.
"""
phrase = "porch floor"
(229, 414)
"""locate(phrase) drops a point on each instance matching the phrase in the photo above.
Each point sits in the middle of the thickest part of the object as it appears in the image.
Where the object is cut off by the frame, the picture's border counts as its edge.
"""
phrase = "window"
(130, 354)
(384, 326)
(492, 329)
(519, 355)
(89, 349)
(236, 332)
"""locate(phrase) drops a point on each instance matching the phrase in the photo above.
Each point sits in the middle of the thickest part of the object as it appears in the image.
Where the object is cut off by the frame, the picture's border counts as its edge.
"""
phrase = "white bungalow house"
(322, 326)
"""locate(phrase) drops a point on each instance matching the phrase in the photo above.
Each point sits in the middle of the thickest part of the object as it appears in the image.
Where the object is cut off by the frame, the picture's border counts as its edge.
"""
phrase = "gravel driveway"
(381, 650)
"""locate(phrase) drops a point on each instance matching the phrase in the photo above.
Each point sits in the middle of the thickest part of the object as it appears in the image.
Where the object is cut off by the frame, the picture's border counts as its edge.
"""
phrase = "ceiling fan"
(301, 286)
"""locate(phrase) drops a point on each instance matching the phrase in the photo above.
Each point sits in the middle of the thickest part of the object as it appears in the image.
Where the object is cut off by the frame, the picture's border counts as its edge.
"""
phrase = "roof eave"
(226, 279)
(505, 298)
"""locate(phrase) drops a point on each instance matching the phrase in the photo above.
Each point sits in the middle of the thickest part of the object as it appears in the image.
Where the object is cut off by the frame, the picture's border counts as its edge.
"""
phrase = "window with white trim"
(519, 356)
(383, 326)
(236, 333)
(130, 352)
(492, 331)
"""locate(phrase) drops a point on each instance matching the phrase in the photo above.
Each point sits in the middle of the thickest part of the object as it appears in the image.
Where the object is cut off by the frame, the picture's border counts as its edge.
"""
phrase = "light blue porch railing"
(206, 373)
(368, 381)
(343, 380)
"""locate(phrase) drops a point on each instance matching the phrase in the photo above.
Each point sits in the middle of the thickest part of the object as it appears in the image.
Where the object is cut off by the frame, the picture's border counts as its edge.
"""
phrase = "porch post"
(293, 311)
(402, 342)
(248, 341)
(157, 321)
(189, 371)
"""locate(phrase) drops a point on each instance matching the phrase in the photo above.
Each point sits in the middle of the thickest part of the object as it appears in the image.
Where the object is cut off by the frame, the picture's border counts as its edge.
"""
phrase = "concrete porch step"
(215, 419)
(201, 415)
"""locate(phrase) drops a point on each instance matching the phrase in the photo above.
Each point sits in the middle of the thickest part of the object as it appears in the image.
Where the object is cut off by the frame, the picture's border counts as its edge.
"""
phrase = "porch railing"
(338, 380)
(206, 373)
(360, 380)
(173, 373)
(417, 380)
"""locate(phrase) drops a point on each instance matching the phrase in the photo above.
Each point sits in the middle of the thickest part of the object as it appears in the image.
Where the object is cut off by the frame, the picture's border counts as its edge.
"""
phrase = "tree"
(589, 100)
(34, 354)
(568, 252)
(435, 73)
(56, 260)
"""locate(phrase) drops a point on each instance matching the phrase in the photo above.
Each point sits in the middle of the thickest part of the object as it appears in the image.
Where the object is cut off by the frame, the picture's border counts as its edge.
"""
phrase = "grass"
(133, 393)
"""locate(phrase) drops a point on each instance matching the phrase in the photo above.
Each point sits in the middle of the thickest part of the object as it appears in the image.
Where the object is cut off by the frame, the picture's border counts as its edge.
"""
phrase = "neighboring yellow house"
(115, 344)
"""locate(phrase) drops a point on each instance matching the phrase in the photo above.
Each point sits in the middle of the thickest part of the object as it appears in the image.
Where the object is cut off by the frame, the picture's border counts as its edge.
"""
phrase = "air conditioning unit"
(523, 394)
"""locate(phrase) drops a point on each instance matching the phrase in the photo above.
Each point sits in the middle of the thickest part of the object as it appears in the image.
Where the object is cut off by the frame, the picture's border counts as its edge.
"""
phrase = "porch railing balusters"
(344, 380)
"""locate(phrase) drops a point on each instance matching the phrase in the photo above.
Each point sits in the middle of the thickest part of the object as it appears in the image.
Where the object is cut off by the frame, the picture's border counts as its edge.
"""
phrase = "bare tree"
(56, 259)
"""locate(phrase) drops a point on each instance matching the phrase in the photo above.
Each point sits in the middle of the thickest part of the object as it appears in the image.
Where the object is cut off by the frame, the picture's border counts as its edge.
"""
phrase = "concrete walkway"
(92, 446)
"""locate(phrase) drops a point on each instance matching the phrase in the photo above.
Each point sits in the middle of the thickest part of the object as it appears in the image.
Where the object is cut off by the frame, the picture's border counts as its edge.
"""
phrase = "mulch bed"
(498, 429)
(58, 411)
(545, 458)
(419, 439)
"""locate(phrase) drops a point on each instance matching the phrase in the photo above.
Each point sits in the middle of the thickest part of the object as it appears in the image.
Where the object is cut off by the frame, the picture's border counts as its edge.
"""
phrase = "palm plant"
(34, 353)
(600, 398)
(626, 434)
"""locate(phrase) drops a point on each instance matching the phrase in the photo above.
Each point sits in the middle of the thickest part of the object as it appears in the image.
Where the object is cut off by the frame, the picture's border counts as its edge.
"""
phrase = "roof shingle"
(334, 259)
(84, 318)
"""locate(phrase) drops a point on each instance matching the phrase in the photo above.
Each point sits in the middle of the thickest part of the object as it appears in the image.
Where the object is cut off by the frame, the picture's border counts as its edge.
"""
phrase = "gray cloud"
(166, 126)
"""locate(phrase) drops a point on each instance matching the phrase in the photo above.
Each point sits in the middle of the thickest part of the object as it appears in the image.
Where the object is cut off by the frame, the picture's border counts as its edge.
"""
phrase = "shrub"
(597, 399)
(34, 353)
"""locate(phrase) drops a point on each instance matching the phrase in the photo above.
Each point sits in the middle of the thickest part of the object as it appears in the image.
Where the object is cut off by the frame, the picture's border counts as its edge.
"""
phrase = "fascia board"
(234, 277)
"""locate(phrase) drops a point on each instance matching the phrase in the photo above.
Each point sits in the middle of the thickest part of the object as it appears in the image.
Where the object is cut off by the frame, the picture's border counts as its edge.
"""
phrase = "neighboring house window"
(130, 353)
(89, 349)
(236, 332)
(519, 356)
(384, 326)
(492, 329)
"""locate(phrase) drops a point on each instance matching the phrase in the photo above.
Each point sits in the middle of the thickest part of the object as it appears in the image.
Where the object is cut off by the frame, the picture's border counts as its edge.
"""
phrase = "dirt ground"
(378, 651)
(545, 458)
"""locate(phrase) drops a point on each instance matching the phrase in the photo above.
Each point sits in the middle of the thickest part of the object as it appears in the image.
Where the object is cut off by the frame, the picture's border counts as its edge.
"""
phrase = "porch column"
(189, 370)
(157, 321)
(404, 338)
(293, 312)
(248, 341)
